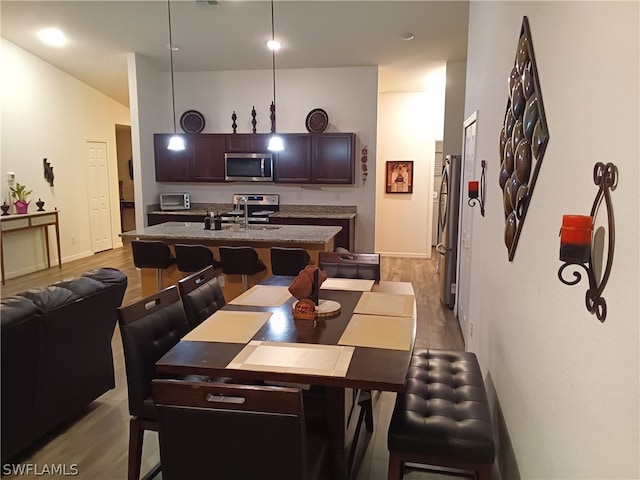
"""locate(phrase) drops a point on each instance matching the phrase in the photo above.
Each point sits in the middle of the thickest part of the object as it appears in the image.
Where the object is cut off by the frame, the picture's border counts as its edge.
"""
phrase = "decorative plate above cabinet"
(192, 121)
(317, 121)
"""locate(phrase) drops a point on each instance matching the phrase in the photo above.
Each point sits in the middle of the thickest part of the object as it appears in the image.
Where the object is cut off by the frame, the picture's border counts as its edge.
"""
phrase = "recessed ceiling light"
(52, 36)
(406, 36)
(273, 45)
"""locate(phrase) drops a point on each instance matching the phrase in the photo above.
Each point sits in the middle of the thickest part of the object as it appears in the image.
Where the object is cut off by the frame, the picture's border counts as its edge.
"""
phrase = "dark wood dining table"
(376, 369)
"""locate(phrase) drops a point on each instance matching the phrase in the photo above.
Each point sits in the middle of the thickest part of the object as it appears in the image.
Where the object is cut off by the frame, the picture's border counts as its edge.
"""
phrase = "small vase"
(21, 207)
(40, 204)
(5, 209)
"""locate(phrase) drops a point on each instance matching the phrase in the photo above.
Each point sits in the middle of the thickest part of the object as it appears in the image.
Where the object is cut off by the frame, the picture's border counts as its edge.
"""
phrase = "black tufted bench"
(442, 418)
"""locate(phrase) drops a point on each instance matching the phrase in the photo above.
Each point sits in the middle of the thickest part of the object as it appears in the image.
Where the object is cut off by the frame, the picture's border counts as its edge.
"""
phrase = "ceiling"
(232, 35)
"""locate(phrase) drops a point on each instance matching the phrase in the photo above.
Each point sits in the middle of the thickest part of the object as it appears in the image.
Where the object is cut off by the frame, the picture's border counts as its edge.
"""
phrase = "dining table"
(365, 344)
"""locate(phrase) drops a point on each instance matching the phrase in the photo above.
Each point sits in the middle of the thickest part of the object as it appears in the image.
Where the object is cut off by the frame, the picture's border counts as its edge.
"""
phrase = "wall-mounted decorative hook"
(577, 243)
(48, 171)
(477, 190)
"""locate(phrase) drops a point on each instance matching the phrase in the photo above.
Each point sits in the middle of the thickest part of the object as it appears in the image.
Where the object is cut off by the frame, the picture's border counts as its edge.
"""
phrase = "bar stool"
(152, 254)
(288, 261)
(241, 261)
(193, 258)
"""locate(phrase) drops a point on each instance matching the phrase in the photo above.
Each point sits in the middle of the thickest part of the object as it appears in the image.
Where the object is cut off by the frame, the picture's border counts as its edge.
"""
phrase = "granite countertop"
(173, 232)
(286, 211)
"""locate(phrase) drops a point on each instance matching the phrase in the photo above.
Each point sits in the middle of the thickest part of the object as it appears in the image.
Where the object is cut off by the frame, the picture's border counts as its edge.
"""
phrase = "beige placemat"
(229, 327)
(326, 360)
(263, 296)
(377, 331)
(387, 304)
(386, 286)
(353, 284)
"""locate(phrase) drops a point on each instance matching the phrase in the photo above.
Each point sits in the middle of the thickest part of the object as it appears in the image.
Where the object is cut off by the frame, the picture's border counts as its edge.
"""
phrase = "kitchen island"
(261, 237)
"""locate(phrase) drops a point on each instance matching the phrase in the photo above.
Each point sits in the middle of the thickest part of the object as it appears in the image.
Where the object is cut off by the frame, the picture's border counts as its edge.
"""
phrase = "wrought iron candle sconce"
(577, 243)
(477, 190)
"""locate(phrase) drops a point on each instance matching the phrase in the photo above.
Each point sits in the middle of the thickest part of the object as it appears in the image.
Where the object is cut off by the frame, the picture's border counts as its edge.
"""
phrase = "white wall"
(349, 95)
(566, 385)
(49, 114)
(408, 126)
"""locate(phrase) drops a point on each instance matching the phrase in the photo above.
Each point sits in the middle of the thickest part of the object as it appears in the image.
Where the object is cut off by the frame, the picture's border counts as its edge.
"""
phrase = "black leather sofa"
(56, 353)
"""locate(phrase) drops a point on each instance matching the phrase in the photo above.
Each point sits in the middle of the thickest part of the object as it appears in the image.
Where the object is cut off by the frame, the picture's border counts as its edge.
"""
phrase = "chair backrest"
(288, 261)
(239, 260)
(192, 258)
(149, 328)
(350, 265)
(151, 254)
(202, 426)
(201, 295)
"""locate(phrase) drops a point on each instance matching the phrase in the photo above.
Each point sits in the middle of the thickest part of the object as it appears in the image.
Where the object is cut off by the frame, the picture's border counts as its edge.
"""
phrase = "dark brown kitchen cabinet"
(202, 160)
(158, 218)
(326, 158)
(207, 159)
(332, 158)
(171, 165)
(345, 238)
(247, 142)
(293, 164)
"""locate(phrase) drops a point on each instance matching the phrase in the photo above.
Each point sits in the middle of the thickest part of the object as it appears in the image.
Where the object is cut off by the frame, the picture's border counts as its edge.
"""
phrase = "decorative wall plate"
(192, 121)
(317, 121)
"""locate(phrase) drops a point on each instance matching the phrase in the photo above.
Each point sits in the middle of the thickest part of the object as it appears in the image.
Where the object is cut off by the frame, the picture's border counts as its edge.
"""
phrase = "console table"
(36, 220)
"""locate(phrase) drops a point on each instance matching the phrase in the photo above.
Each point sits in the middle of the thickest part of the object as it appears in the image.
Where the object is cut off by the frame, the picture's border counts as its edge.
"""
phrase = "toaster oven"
(174, 201)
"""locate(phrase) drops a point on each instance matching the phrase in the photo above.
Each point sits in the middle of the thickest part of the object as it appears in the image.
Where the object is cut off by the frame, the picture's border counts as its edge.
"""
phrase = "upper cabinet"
(332, 158)
(247, 142)
(293, 164)
(202, 160)
(323, 158)
(171, 165)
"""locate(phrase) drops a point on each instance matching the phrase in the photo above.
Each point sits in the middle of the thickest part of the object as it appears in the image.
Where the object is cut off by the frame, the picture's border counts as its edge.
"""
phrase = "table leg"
(58, 243)
(46, 244)
(2, 259)
(336, 424)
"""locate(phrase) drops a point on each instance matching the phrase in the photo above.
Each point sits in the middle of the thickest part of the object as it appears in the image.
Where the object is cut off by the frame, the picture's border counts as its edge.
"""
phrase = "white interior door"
(98, 195)
(466, 231)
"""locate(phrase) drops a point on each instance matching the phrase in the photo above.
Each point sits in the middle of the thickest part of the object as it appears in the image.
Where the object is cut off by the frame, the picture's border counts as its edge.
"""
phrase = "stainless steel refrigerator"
(448, 222)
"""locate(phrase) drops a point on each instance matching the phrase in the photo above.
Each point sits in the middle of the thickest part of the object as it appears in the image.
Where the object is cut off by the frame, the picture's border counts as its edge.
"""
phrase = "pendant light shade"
(176, 142)
(276, 144)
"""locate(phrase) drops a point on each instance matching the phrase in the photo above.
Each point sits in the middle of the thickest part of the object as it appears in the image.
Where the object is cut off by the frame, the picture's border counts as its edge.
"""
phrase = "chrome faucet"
(244, 199)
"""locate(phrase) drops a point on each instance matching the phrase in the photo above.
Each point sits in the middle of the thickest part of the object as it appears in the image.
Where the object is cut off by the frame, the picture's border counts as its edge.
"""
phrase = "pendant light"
(275, 142)
(176, 142)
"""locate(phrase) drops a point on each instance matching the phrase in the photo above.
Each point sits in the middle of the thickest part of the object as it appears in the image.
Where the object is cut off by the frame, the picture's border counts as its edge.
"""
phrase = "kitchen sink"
(264, 227)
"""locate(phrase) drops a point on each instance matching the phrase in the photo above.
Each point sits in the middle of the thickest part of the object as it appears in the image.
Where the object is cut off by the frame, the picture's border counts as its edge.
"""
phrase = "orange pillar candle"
(474, 186)
(575, 238)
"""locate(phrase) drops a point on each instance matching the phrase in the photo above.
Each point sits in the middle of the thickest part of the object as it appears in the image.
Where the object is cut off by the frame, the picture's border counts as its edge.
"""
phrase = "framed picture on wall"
(400, 176)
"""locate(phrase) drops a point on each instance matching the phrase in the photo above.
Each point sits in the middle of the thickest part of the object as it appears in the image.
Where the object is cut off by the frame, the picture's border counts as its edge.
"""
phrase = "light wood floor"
(97, 440)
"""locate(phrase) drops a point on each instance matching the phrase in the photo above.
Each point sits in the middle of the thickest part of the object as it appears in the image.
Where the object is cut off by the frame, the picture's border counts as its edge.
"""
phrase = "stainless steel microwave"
(175, 201)
(248, 167)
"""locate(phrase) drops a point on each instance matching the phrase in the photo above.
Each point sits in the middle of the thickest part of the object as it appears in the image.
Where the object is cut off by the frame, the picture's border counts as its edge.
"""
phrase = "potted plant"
(20, 193)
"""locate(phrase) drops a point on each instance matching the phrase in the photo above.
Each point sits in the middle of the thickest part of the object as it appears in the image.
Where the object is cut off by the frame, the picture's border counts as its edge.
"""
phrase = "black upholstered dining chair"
(203, 425)
(201, 295)
(193, 258)
(364, 266)
(241, 261)
(149, 328)
(350, 265)
(288, 261)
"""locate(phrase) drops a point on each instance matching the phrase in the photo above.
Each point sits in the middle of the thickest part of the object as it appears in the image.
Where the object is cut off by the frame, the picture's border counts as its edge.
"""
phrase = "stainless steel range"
(258, 206)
